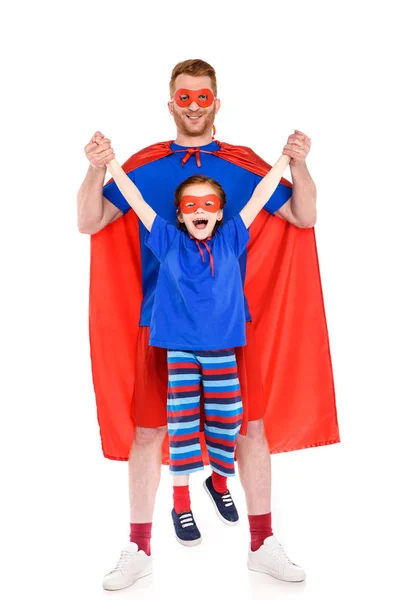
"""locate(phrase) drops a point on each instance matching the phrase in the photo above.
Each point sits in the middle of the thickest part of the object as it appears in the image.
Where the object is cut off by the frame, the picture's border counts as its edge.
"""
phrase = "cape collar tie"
(198, 244)
(189, 152)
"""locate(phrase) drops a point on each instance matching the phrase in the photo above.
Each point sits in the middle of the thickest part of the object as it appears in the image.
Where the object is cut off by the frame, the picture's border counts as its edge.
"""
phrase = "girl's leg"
(181, 493)
(222, 408)
(183, 416)
(223, 417)
(183, 413)
(219, 482)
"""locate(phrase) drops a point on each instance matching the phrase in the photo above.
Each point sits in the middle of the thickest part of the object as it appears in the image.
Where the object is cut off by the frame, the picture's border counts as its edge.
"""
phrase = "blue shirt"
(194, 309)
(157, 182)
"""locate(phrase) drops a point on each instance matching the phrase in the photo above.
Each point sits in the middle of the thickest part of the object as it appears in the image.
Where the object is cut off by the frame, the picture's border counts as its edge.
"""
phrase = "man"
(285, 304)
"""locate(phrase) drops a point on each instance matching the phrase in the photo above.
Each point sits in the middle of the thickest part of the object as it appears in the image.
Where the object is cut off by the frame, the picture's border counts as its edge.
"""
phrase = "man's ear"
(217, 105)
(171, 107)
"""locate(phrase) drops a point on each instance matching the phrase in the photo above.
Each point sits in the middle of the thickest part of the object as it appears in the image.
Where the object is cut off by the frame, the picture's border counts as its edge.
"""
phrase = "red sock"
(181, 498)
(219, 482)
(260, 529)
(141, 535)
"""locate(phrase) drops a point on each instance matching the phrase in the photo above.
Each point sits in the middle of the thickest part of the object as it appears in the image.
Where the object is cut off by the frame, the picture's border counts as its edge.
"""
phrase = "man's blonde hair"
(195, 68)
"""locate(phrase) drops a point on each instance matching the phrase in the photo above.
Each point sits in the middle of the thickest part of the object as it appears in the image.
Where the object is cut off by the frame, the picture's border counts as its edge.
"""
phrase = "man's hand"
(297, 148)
(99, 152)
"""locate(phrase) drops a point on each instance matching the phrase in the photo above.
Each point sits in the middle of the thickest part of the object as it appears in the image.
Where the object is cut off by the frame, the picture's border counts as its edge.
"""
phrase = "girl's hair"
(180, 191)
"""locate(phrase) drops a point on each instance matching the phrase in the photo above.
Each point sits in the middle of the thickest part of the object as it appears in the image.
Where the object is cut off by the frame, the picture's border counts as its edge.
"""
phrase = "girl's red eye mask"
(189, 204)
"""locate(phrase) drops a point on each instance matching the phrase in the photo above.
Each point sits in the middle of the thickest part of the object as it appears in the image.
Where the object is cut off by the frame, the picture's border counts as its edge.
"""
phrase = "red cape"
(283, 289)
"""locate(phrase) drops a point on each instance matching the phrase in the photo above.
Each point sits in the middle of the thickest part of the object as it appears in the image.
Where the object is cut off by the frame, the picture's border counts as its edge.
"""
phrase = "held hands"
(99, 152)
(297, 148)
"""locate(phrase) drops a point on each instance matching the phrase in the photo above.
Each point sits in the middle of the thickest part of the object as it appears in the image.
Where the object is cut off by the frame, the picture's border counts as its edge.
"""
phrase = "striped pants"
(217, 371)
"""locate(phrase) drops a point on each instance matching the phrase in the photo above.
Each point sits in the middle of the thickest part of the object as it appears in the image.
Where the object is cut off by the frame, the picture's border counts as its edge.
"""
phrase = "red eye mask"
(203, 97)
(210, 203)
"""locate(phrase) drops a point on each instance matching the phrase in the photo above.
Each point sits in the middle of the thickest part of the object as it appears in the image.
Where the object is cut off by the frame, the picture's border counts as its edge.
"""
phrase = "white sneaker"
(271, 558)
(132, 565)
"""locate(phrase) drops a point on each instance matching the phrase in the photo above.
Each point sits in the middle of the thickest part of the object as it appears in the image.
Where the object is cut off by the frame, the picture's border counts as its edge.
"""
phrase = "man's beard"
(183, 124)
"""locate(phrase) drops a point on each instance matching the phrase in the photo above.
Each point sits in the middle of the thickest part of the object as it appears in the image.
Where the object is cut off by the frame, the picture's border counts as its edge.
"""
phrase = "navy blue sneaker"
(186, 529)
(224, 505)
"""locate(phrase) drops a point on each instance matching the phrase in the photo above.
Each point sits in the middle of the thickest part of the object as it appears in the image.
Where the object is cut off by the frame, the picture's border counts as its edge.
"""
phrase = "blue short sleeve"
(161, 237)
(112, 193)
(236, 234)
(280, 196)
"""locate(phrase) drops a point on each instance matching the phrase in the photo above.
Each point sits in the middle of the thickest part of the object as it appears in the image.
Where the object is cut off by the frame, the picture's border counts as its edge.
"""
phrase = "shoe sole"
(260, 569)
(115, 588)
(189, 543)
(230, 523)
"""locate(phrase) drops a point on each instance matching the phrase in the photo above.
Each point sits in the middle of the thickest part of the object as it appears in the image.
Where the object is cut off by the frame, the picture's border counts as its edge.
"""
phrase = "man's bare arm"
(300, 209)
(94, 210)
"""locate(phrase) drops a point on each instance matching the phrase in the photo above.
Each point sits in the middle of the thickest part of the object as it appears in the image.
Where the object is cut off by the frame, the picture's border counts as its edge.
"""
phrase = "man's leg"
(145, 472)
(254, 462)
(266, 555)
(150, 416)
(144, 477)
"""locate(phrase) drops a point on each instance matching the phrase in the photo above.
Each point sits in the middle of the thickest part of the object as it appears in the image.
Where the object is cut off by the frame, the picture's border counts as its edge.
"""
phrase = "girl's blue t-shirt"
(193, 308)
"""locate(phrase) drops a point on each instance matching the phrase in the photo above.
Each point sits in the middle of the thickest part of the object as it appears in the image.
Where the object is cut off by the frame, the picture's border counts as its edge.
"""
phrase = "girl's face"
(200, 216)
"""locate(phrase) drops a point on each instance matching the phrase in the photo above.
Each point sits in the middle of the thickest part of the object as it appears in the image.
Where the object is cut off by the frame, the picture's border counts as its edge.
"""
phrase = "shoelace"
(124, 560)
(227, 499)
(279, 554)
(186, 519)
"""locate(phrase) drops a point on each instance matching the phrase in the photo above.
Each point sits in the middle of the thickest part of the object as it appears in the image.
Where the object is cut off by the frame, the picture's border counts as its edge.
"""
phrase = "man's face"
(200, 223)
(193, 120)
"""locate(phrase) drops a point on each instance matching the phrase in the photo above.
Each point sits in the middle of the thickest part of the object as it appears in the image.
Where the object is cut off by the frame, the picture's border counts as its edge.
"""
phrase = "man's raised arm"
(94, 210)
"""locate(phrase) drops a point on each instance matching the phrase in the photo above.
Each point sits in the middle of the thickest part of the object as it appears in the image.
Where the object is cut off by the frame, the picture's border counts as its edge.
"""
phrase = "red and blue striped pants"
(217, 371)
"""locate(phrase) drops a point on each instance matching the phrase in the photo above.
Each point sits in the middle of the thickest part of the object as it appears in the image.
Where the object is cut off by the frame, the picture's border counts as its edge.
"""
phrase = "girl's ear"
(220, 214)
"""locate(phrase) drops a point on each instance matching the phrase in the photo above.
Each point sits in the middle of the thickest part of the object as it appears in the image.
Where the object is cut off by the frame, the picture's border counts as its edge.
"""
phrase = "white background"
(328, 69)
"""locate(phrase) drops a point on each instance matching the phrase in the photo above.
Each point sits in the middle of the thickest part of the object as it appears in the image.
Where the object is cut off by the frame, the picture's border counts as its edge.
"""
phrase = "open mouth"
(194, 118)
(200, 223)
